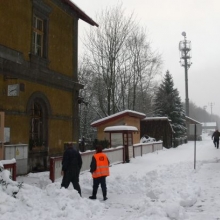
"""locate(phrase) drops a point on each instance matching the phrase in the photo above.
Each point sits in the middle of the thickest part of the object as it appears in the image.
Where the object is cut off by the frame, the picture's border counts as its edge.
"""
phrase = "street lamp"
(185, 48)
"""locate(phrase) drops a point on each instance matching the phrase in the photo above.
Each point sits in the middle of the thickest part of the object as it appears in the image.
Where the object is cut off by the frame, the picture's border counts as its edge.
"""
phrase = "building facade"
(38, 75)
(126, 117)
(158, 128)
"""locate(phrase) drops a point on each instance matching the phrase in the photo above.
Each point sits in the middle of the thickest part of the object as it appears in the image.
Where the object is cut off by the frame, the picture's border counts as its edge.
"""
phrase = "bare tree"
(144, 67)
(88, 110)
(119, 65)
(106, 46)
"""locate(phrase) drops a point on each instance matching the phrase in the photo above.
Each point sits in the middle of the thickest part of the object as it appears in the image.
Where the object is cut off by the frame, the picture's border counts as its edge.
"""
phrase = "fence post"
(52, 177)
(123, 154)
(14, 172)
(12, 169)
(133, 152)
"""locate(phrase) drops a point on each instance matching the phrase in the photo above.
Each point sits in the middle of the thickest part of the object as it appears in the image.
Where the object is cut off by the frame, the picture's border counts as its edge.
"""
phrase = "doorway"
(38, 109)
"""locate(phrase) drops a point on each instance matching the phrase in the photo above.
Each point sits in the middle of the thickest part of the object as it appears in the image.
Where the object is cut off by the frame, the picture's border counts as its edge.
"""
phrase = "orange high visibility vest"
(102, 165)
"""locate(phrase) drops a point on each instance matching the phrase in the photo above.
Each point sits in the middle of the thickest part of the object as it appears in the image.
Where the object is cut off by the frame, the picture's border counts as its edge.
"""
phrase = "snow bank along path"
(158, 186)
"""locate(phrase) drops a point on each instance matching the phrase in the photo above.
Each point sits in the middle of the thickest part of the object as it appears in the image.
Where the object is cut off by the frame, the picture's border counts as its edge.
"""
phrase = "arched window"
(36, 126)
(38, 108)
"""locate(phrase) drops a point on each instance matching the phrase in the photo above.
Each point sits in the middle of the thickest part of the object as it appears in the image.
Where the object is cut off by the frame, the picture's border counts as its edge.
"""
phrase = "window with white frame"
(40, 31)
(38, 36)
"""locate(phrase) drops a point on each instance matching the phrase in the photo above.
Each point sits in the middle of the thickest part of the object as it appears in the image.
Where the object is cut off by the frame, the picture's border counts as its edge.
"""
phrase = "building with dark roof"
(158, 128)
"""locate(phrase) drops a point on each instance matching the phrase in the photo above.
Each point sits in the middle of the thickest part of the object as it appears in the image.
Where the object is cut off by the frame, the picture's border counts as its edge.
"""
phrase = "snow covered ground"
(158, 186)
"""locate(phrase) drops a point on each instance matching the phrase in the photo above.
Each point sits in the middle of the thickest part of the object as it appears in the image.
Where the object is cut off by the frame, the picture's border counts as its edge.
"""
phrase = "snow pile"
(51, 203)
(7, 185)
(166, 191)
(46, 201)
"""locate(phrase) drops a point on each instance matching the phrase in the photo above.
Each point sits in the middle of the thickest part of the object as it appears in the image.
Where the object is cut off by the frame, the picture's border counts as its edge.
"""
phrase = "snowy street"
(158, 186)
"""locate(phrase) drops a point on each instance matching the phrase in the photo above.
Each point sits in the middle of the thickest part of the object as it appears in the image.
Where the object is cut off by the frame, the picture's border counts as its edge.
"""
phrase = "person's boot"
(104, 193)
(77, 187)
(79, 191)
(94, 192)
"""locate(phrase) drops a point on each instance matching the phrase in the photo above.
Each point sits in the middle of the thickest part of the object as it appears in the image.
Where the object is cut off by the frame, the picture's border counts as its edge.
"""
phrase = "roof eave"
(96, 124)
(82, 15)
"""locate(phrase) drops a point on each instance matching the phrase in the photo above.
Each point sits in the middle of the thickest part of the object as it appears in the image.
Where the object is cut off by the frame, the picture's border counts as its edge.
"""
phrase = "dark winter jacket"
(72, 160)
(216, 135)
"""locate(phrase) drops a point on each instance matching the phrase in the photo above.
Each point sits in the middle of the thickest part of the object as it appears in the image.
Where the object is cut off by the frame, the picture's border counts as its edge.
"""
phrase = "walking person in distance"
(99, 169)
(215, 137)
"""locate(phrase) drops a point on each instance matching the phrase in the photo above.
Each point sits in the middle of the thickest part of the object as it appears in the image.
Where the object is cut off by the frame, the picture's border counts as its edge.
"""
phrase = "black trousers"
(99, 180)
(216, 142)
(71, 177)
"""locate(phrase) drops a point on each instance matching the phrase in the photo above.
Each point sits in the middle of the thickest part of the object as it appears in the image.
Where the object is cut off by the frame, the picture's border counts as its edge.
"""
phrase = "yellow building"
(38, 74)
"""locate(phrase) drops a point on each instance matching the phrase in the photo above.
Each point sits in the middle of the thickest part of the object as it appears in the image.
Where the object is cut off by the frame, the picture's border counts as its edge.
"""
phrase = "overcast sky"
(165, 20)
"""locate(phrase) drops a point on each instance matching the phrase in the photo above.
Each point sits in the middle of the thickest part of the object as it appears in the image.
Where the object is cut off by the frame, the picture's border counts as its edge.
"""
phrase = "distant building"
(209, 125)
(190, 124)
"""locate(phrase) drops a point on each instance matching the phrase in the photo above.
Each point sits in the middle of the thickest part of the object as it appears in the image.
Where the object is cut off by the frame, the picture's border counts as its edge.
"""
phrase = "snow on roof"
(158, 119)
(121, 128)
(118, 114)
(193, 120)
(155, 118)
(5, 162)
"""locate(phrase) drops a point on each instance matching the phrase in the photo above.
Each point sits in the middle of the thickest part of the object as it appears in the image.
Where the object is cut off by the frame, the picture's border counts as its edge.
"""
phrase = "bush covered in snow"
(7, 185)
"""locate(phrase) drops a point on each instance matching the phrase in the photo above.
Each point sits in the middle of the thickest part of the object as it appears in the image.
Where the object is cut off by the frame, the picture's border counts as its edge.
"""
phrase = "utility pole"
(211, 105)
(185, 48)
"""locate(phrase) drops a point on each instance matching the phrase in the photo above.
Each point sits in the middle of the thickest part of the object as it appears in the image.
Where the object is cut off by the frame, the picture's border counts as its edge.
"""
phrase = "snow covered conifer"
(167, 103)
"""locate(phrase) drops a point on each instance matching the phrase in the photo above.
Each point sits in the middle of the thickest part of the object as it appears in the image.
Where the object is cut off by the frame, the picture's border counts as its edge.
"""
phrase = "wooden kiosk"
(122, 135)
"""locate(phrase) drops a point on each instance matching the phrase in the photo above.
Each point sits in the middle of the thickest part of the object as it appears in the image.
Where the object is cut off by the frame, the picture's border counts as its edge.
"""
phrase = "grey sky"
(164, 21)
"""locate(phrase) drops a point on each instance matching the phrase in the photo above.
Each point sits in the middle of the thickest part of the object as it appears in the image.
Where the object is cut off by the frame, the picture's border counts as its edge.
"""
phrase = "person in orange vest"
(99, 168)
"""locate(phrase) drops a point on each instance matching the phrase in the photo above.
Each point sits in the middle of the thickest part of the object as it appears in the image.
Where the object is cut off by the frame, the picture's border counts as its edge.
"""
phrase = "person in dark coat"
(216, 135)
(99, 168)
(71, 165)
